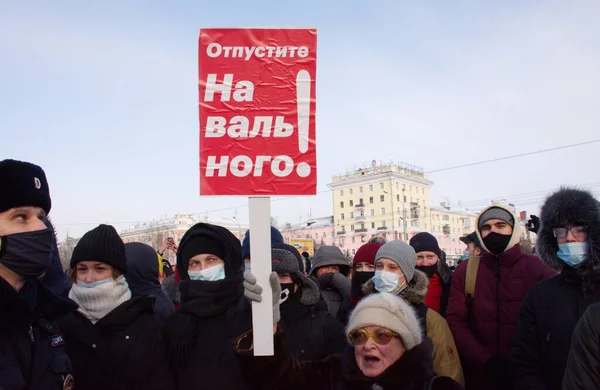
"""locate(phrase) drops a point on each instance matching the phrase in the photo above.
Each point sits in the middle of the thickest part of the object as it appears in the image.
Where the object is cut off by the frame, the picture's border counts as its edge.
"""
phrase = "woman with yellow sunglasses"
(386, 351)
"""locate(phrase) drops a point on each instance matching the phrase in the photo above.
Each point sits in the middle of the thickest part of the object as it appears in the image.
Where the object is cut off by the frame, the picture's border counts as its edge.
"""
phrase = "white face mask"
(211, 274)
(387, 282)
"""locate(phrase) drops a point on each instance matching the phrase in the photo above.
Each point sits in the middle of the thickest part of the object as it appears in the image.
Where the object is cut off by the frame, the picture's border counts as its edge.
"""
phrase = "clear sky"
(104, 96)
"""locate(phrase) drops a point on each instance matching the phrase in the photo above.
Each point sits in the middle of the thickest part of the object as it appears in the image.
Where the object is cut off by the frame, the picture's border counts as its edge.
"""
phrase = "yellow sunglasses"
(381, 336)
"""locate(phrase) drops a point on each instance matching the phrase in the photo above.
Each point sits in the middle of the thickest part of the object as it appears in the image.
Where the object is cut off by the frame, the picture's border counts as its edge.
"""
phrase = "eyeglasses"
(563, 232)
(381, 336)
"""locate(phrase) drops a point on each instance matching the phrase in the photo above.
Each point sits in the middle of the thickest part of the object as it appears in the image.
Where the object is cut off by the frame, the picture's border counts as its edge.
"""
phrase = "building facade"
(319, 230)
(156, 232)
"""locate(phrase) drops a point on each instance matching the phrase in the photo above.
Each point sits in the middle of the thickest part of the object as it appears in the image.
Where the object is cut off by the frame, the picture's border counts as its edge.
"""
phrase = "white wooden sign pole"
(260, 266)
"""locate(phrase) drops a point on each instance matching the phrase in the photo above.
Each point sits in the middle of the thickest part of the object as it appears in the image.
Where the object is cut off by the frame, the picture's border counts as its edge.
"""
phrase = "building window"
(351, 215)
(350, 191)
(342, 204)
(372, 225)
(342, 216)
(351, 203)
(362, 213)
(397, 185)
(360, 189)
(383, 210)
(341, 192)
(360, 201)
(362, 225)
(352, 227)
(353, 252)
(372, 212)
(404, 198)
(370, 199)
(371, 187)
(353, 240)
(381, 198)
(324, 235)
(383, 224)
(381, 186)
(398, 197)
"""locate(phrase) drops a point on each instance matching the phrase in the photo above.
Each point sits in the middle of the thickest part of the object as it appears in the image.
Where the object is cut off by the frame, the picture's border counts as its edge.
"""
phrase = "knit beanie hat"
(202, 245)
(425, 242)
(390, 312)
(276, 238)
(101, 244)
(285, 259)
(496, 213)
(400, 253)
(23, 184)
(366, 254)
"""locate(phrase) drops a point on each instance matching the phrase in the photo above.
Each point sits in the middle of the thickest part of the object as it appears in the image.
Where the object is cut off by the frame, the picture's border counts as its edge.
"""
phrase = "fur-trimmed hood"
(417, 289)
(516, 234)
(569, 206)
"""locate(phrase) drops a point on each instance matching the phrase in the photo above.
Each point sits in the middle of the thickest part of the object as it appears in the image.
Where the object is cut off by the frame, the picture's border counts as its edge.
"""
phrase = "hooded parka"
(335, 287)
(553, 308)
(212, 315)
(32, 347)
(488, 328)
(142, 276)
(123, 350)
(446, 361)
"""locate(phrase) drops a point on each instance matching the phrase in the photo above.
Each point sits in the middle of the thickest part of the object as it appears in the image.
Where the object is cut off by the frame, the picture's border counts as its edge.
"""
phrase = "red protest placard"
(257, 111)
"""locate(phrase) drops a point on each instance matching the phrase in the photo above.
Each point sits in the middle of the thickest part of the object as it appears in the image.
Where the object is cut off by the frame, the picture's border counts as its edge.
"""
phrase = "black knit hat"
(23, 184)
(425, 242)
(101, 244)
(203, 245)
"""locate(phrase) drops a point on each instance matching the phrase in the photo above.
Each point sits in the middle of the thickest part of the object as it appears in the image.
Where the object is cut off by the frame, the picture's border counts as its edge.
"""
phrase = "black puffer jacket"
(124, 350)
(212, 315)
(32, 347)
(583, 364)
(335, 288)
(552, 308)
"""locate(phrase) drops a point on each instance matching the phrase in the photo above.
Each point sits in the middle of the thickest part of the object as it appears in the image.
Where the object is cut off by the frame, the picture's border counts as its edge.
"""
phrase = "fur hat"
(284, 260)
(569, 206)
(23, 184)
(390, 312)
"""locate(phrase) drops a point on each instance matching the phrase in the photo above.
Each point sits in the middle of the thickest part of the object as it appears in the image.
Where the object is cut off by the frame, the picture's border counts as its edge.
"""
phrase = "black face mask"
(27, 254)
(428, 270)
(496, 243)
(358, 279)
(287, 292)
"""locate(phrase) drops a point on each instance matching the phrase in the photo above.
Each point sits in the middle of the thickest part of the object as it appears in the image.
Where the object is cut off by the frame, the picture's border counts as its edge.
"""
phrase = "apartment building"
(320, 231)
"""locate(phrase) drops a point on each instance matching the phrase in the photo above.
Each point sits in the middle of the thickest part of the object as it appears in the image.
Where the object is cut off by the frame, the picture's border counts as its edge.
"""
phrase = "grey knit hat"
(496, 213)
(285, 259)
(400, 253)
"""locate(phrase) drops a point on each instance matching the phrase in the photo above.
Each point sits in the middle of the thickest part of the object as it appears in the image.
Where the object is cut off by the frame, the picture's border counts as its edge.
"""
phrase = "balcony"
(360, 218)
(341, 233)
(360, 230)
(360, 206)
(382, 228)
(446, 229)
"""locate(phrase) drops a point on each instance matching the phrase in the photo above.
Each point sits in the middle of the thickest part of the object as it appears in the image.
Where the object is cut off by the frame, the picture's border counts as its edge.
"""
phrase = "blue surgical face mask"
(388, 282)
(211, 274)
(94, 284)
(573, 253)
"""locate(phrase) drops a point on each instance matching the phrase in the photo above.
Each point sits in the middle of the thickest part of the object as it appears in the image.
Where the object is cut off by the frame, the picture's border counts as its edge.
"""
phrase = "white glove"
(253, 291)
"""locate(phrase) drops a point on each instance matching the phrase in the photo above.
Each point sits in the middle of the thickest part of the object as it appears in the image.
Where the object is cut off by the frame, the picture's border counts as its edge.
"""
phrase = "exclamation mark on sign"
(303, 101)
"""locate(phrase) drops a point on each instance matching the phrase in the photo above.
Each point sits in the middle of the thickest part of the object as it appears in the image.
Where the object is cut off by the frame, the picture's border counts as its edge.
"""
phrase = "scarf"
(210, 298)
(95, 303)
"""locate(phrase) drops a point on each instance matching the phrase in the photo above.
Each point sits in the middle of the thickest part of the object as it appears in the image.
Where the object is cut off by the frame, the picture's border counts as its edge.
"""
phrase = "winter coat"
(501, 285)
(334, 288)
(311, 332)
(142, 276)
(583, 365)
(55, 278)
(212, 315)
(339, 372)
(446, 361)
(32, 347)
(553, 308)
(124, 350)
(445, 274)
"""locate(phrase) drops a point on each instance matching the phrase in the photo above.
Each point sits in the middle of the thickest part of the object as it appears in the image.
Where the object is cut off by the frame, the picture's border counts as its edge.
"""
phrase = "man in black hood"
(32, 348)
(568, 241)
(213, 310)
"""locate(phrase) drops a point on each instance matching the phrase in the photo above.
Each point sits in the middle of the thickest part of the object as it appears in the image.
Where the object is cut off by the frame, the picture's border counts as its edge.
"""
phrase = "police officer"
(32, 352)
